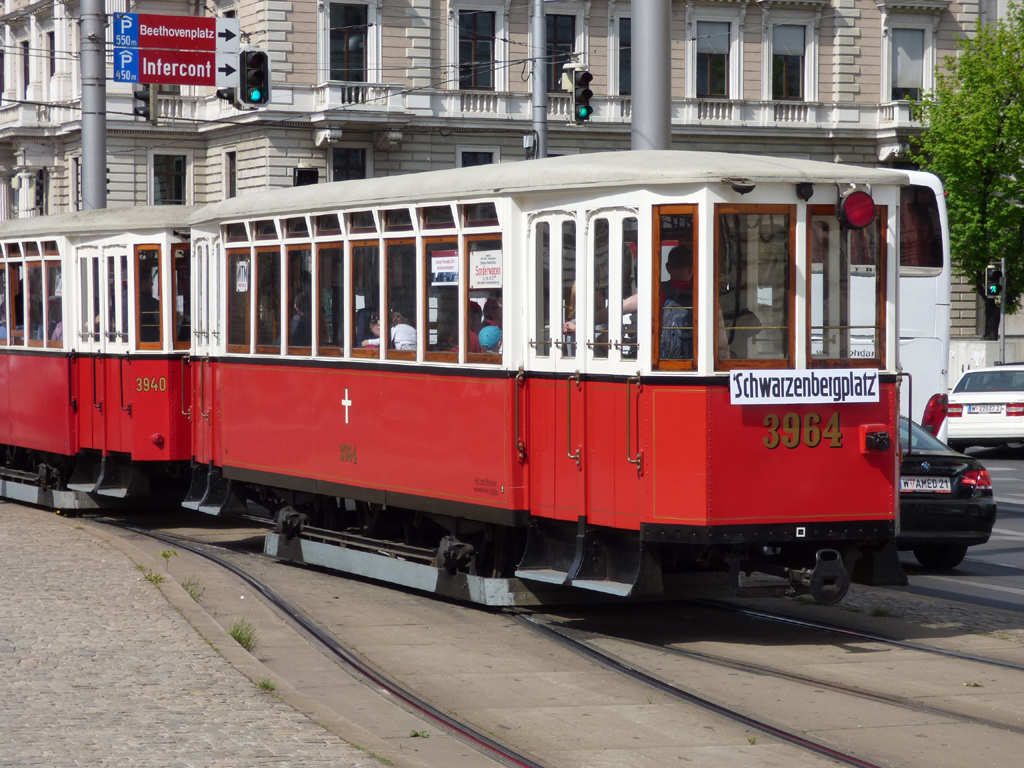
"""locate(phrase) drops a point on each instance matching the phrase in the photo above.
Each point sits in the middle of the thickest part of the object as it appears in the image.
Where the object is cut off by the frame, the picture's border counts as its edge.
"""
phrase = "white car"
(986, 407)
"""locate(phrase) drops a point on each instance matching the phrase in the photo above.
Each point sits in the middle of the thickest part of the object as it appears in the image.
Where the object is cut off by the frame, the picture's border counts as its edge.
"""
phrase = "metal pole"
(1002, 310)
(652, 76)
(94, 105)
(538, 47)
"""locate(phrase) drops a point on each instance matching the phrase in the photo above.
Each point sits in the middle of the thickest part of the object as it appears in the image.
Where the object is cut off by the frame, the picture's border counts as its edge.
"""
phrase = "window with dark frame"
(561, 42)
(347, 38)
(330, 299)
(231, 174)
(476, 50)
(788, 62)
(51, 51)
(713, 59)
(348, 163)
(239, 281)
(26, 69)
(268, 300)
(471, 158)
(625, 56)
(169, 179)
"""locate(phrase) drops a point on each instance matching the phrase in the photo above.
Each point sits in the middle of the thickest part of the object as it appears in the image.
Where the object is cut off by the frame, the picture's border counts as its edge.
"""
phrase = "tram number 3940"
(150, 384)
(791, 431)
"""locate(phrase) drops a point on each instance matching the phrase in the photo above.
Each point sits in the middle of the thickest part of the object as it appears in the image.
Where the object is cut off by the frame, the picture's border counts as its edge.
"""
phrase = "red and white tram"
(632, 373)
(94, 326)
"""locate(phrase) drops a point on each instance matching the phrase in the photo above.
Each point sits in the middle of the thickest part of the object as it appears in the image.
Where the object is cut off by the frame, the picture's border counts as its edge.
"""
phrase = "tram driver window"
(845, 283)
(675, 246)
(485, 310)
(753, 266)
(268, 300)
(147, 298)
(239, 306)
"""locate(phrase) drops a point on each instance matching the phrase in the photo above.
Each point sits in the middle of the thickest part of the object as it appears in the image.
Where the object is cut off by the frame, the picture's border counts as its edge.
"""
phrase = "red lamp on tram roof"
(855, 208)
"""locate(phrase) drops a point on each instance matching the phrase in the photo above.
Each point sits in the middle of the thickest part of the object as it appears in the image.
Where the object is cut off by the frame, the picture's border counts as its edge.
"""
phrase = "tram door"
(555, 393)
(205, 337)
(609, 345)
(103, 340)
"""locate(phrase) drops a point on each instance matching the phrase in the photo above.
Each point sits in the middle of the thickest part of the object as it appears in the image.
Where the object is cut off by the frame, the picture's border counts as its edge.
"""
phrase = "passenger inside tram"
(300, 329)
(149, 308)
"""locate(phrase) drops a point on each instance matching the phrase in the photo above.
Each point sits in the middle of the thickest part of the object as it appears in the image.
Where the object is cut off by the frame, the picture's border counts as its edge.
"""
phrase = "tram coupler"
(828, 581)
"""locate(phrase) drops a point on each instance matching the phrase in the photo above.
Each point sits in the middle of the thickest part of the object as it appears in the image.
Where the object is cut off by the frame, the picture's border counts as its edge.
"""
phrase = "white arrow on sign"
(227, 38)
(227, 70)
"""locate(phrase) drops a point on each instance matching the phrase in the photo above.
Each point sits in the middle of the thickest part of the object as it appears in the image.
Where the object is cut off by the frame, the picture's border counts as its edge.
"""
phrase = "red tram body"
(92, 407)
(633, 373)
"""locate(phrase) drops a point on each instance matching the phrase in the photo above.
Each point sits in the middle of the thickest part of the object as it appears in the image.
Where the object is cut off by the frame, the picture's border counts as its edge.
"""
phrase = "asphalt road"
(992, 574)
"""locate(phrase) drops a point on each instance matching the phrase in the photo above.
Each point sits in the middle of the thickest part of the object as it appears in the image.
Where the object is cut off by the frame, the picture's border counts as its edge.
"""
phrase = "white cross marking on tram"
(346, 402)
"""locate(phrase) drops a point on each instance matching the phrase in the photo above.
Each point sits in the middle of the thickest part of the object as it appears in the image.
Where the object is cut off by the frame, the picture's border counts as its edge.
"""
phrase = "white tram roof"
(585, 172)
(141, 218)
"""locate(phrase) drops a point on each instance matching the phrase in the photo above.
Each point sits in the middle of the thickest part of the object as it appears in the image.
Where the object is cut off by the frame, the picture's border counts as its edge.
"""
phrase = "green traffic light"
(255, 95)
(584, 111)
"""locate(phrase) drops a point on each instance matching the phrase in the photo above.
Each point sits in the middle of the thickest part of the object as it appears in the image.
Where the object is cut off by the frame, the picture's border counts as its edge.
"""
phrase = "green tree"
(974, 142)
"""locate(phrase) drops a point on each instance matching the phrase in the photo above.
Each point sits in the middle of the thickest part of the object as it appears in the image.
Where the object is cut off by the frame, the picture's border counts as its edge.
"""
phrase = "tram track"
(328, 643)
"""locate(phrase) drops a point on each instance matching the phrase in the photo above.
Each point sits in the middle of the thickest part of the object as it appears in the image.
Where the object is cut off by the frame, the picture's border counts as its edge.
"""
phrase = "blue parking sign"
(126, 65)
(126, 30)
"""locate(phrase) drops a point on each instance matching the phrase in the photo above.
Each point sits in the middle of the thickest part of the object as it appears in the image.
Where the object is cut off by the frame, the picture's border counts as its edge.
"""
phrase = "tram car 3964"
(632, 373)
(94, 328)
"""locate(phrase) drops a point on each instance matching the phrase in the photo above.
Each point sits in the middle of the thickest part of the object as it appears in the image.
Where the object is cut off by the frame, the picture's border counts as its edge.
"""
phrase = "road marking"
(1008, 533)
(980, 585)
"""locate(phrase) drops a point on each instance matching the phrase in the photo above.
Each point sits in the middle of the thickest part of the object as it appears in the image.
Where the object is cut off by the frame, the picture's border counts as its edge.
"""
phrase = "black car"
(946, 502)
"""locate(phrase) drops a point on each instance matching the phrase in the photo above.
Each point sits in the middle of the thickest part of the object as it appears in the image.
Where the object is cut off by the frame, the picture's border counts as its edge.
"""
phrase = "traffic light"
(254, 76)
(993, 282)
(143, 97)
(581, 95)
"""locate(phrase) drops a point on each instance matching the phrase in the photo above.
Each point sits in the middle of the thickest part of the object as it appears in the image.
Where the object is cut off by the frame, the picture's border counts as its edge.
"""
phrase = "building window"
(476, 50)
(713, 59)
(471, 157)
(348, 163)
(561, 42)
(26, 69)
(788, 51)
(230, 174)
(907, 61)
(348, 33)
(169, 179)
(625, 56)
(51, 50)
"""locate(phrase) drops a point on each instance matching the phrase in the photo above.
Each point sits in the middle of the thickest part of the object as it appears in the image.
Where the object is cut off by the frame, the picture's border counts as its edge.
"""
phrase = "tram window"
(182, 273)
(50, 248)
(397, 220)
(15, 281)
(31, 249)
(365, 299)
(441, 267)
(124, 297)
(268, 300)
(398, 330)
(54, 305)
(599, 289)
(568, 293)
(328, 224)
(331, 275)
(753, 267)
(235, 233)
(265, 230)
(300, 300)
(486, 305)
(296, 227)
(845, 286)
(920, 232)
(675, 240)
(480, 215)
(239, 305)
(111, 298)
(361, 222)
(630, 287)
(34, 299)
(147, 299)
(438, 217)
(542, 266)
(13, 250)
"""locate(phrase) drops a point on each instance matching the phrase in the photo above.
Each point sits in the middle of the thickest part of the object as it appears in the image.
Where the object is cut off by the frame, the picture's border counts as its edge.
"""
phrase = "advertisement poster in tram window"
(485, 269)
(242, 277)
(444, 267)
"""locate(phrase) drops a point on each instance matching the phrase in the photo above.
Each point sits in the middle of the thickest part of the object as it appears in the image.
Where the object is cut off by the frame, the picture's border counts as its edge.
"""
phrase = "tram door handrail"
(639, 460)
(568, 415)
(97, 405)
(185, 361)
(520, 445)
(120, 377)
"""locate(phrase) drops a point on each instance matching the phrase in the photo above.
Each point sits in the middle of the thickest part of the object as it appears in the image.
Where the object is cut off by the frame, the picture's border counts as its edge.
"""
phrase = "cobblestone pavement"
(97, 669)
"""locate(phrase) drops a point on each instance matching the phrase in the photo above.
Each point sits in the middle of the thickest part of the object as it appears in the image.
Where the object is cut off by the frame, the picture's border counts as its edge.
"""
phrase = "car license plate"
(992, 408)
(925, 485)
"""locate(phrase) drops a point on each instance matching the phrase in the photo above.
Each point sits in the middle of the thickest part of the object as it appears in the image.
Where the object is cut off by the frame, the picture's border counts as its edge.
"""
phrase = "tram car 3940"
(630, 373)
(94, 329)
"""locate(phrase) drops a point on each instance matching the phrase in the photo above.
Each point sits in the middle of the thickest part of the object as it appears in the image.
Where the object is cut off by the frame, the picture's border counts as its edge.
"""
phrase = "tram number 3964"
(791, 431)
